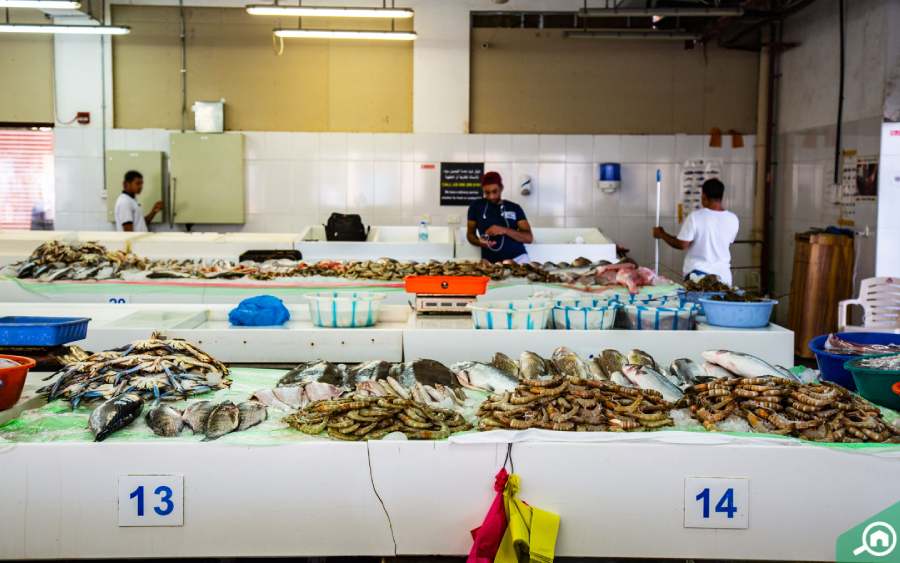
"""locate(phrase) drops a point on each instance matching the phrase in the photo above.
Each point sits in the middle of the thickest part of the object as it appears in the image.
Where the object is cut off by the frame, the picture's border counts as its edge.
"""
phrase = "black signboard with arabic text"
(461, 182)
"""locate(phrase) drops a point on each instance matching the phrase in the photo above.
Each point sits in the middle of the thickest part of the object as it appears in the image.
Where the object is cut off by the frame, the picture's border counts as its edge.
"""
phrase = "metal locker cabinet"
(149, 164)
(207, 183)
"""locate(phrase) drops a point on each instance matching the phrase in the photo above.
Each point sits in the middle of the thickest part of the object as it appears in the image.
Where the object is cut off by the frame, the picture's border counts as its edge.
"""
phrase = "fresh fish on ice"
(648, 378)
(484, 377)
(251, 413)
(164, 421)
(196, 415)
(745, 365)
(224, 418)
(115, 414)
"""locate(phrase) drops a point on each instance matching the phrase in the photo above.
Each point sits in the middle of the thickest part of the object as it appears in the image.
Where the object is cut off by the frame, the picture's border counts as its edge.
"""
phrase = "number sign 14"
(716, 503)
(151, 500)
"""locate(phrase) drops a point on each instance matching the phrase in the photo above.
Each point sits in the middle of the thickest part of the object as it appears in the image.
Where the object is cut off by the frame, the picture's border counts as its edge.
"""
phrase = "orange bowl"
(12, 380)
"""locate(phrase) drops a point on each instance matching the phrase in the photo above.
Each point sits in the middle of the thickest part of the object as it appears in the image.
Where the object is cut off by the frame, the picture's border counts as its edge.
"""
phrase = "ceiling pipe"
(632, 34)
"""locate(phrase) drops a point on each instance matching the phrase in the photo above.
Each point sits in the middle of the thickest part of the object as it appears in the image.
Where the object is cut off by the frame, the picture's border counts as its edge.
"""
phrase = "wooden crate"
(823, 276)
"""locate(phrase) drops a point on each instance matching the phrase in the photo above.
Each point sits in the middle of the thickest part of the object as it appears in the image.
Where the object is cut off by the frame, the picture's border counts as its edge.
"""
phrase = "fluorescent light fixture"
(65, 29)
(662, 12)
(345, 34)
(635, 34)
(328, 12)
(41, 4)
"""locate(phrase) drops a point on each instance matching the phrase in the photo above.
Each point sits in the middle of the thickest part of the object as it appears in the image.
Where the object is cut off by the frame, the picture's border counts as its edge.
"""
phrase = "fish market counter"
(618, 495)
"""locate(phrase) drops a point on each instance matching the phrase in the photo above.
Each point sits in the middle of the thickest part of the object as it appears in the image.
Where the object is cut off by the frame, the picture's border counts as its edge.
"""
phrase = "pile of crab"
(159, 369)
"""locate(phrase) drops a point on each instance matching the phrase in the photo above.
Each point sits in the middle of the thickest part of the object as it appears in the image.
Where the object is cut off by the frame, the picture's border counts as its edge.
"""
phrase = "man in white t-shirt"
(707, 235)
(129, 215)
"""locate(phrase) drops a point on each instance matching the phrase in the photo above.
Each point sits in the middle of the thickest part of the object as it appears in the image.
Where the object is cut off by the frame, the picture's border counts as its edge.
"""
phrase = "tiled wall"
(295, 179)
(804, 196)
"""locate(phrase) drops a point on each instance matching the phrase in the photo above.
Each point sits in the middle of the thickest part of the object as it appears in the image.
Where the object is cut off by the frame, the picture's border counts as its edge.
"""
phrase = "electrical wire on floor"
(380, 500)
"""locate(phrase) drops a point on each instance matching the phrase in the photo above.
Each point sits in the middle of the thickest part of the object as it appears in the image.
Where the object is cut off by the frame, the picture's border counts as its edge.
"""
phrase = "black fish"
(313, 371)
(115, 414)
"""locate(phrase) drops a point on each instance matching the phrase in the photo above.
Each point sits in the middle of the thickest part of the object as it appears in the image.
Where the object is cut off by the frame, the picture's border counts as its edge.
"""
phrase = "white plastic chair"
(880, 301)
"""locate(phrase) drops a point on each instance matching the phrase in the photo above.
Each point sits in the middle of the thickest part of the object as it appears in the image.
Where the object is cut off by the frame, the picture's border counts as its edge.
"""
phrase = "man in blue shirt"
(498, 226)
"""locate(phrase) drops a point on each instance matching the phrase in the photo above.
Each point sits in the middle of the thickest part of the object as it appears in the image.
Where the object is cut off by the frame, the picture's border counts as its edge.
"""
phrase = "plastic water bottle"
(423, 231)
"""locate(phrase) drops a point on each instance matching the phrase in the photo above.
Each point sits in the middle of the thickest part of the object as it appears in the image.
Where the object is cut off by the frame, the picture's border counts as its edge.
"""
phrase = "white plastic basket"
(650, 317)
(344, 309)
(520, 314)
(600, 317)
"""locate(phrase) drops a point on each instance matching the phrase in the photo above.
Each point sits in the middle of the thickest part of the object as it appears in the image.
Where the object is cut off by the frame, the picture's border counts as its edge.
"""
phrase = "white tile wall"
(294, 179)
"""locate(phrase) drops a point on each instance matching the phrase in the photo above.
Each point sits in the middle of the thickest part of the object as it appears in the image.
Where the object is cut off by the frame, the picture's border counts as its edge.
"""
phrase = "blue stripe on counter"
(353, 313)
(334, 312)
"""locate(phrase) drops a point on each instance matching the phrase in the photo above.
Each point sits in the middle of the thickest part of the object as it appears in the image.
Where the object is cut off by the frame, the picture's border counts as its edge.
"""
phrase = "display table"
(618, 495)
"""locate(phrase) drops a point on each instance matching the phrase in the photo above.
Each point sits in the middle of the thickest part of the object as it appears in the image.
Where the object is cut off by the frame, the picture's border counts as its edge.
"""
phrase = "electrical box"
(207, 178)
(149, 164)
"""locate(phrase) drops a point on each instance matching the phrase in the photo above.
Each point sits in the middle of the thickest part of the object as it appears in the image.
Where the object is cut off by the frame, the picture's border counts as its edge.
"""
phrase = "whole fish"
(251, 413)
(224, 418)
(196, 415)
(646, 377)
(883, 363)
(164, 421)
(838, 345)
(687, 372)
(569, 364)
(612, 361)
(597, 371)
(716, 372)
(641, 358)
(745, 365)
(484, 377)
(531, 366)
(426, 372)
(619, 378)
(115, 414)
(366, 371)
(325, 372)
(504, 363)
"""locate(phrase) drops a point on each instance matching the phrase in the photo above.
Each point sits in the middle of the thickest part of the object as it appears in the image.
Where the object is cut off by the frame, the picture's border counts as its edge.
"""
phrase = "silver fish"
(164, 421)
(531, 366)
(251, 414)
(115, 414)
(716, 372)
(224, 418)
(619, 378)
(196, 415)
(884, 363)
(745, 365)
(597, 371)
(366, 371)
(612, 361)
(646, 377)
(484, 377)
(687, 372)
(570, 364)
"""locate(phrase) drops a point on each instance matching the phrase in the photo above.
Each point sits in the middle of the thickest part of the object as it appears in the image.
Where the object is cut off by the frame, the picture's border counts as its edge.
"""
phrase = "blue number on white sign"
(165, 498)
(725, 504)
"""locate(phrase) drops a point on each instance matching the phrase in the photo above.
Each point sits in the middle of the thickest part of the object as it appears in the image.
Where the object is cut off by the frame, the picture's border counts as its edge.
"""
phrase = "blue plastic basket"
(831, 365)
(738, 314)
(41, 331)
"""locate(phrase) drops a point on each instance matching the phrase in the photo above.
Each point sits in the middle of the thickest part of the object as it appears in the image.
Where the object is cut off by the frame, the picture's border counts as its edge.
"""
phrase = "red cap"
(491, 178)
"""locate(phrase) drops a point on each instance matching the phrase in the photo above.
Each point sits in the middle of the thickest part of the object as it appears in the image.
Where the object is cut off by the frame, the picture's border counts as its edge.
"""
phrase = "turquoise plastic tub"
(737, 314)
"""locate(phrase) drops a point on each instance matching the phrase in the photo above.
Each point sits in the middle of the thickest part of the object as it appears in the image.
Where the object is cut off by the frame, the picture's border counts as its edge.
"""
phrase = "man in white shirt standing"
(707, 235)
(129, 215)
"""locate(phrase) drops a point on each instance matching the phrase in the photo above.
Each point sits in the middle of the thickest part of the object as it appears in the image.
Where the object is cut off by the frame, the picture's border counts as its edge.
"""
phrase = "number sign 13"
(716, 503)
(151, 500)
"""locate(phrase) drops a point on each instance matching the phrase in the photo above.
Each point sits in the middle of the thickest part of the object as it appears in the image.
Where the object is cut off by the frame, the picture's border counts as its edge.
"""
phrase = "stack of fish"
(158, 368)
(203, 417)
(56, 260)
(361, 417)
(776, 405)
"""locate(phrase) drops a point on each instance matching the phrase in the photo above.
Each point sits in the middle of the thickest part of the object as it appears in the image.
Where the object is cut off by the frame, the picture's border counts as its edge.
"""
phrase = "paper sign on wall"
(461, 182)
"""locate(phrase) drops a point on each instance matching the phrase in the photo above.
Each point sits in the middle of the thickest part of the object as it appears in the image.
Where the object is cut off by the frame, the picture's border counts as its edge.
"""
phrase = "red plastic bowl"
(12, 380)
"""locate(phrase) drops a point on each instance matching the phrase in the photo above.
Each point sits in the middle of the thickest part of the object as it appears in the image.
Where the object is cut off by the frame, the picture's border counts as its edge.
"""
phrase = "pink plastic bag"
(487, 536)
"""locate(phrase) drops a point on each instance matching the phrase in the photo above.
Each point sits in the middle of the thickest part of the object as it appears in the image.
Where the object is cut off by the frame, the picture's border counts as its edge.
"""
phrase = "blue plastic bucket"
(738, 314)
(832, 365)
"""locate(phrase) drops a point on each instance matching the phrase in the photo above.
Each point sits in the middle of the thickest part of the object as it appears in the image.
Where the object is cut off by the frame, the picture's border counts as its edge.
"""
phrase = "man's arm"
(472, 236)
(674, 242)
(522, 233)
(157, 207)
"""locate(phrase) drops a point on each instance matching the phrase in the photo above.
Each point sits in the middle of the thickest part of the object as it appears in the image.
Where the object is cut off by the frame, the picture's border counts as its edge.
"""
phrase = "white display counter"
(400, 334)
(552, 245)
(397, 242)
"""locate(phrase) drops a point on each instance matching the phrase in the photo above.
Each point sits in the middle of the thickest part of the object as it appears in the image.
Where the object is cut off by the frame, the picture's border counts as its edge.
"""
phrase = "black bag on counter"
(347, 227)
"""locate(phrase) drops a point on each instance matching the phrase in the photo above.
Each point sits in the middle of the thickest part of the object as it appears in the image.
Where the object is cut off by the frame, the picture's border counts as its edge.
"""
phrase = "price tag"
(151, 500)
(117, 299)
(716, 503)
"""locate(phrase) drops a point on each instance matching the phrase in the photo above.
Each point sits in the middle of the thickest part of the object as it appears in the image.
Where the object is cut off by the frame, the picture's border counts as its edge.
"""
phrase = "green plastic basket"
(882, 387)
